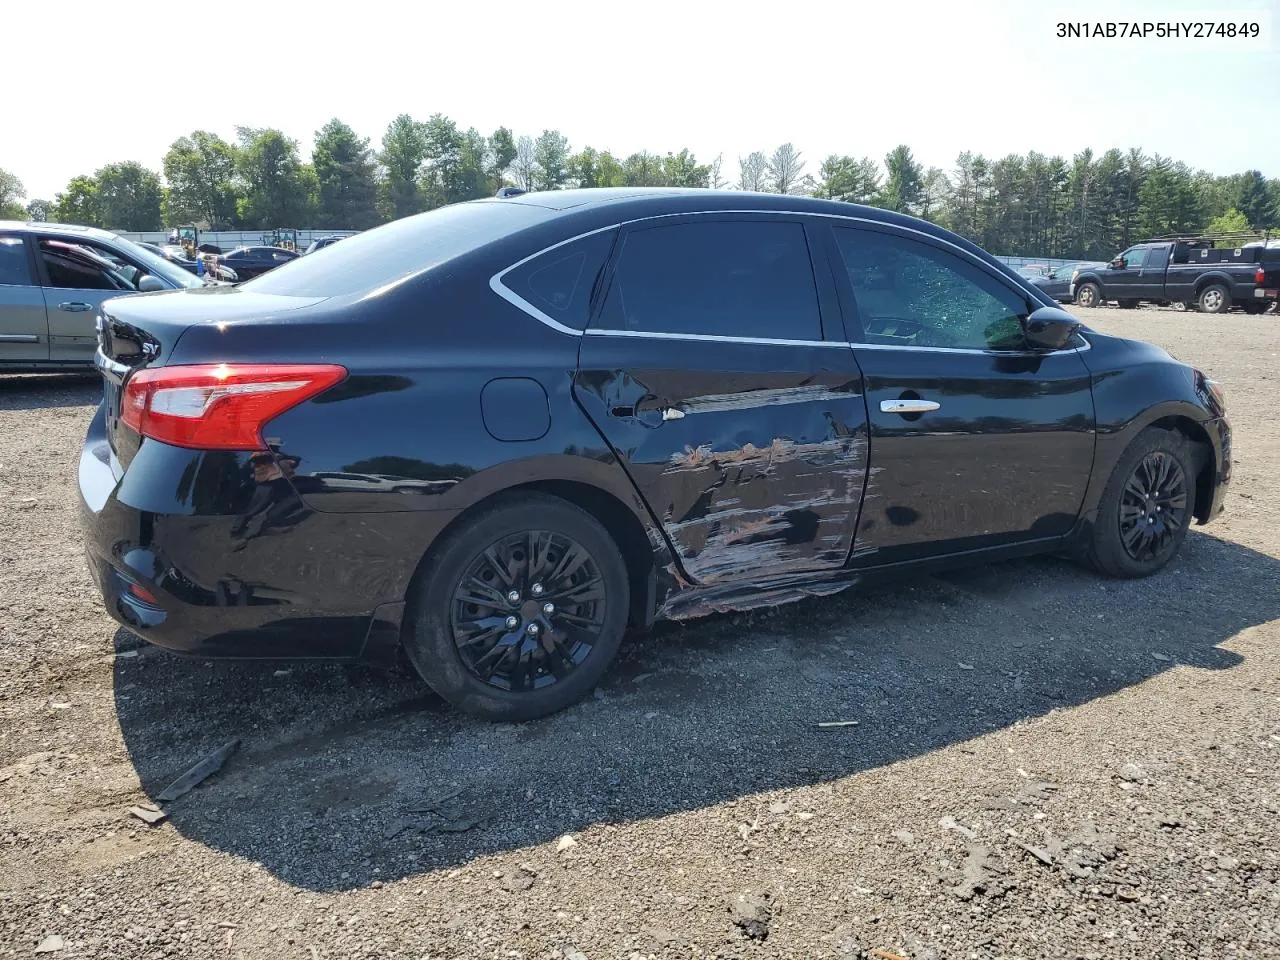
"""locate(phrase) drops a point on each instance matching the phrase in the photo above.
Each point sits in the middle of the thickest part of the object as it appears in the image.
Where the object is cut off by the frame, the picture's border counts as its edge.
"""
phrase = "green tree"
(1254, 200)
(1233, 221)
(200, 170)
(935, 191)
(849, 179)
(683, 170)
(1168, 202)
(904, 182)
(404, 148)
(345, 174)
(12, 193)
(551, 155)
(78, 203)
(443, 179)
(501, 154)
(39, 210)
(129, 197)
(642, 169)
(278, 191)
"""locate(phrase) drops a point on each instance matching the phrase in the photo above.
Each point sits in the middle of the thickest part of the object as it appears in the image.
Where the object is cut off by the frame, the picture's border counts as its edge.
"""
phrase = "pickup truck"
(1189, 272)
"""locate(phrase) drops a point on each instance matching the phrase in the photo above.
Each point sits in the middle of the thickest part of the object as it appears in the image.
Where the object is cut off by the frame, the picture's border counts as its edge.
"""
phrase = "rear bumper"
(233, 568)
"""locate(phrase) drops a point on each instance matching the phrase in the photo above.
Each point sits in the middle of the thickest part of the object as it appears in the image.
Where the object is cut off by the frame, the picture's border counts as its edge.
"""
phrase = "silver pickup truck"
(54, 277)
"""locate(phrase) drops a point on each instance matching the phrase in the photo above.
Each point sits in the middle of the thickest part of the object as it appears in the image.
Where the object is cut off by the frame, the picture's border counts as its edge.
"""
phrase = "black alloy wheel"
(520, 610)
(528, 610)
(1146, 507)
(1153, 506)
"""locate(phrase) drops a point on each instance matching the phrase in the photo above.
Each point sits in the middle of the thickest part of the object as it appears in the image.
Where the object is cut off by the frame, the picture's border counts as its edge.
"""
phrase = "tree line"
(1088, 207)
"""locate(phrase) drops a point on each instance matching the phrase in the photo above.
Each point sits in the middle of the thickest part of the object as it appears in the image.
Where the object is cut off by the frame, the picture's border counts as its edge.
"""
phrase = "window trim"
(506, 293)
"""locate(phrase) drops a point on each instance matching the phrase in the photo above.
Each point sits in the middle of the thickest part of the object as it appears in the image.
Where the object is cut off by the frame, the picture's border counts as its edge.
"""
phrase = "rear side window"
(728, 278)
(559, 282)
(399, 250)
(14, 268)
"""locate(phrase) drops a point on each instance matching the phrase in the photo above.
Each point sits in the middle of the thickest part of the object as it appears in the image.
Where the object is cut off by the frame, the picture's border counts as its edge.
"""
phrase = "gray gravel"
(1045, 764)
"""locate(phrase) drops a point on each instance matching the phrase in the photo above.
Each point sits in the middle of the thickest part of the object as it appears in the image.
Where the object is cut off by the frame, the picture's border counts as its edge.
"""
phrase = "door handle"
(75, 306)
(908, 406)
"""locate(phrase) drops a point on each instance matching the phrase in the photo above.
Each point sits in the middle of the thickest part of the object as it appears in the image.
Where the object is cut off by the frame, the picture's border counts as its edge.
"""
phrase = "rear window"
(394, 252)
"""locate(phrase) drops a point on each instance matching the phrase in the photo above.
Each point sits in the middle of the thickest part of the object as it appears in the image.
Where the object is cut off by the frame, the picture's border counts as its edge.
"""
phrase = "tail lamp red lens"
(1260, 277)
(219, 406)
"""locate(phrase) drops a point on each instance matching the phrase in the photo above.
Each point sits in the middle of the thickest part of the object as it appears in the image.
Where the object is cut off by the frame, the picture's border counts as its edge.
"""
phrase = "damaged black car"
(497, 435)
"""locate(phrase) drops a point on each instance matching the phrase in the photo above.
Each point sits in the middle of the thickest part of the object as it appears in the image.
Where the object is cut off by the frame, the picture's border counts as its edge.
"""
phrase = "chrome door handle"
(75, 306)
(672, 413)
(908, 406)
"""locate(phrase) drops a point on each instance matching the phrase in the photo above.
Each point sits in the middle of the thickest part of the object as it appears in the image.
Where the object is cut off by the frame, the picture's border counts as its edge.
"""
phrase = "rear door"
(976, 441)
(24, 327)
(706, 370)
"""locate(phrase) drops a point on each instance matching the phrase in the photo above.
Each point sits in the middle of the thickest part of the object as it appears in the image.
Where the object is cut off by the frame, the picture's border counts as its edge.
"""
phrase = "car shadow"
(348, 775)
(30, 391)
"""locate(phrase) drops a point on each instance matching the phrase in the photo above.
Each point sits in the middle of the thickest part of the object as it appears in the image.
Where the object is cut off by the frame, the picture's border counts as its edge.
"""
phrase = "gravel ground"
(1045, 764)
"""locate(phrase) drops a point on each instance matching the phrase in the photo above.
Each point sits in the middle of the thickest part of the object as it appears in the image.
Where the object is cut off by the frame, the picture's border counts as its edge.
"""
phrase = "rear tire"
(1214, 298)
(1254, 308)
(1128, 304)
(515, 659)
(1146, 507)
(1089, 295)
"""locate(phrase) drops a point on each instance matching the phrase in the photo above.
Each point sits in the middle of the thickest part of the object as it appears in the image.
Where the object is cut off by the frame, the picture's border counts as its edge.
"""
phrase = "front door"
(976, 441)
(1124, 283)
(706, 371)
(76, 283)
(24, 328)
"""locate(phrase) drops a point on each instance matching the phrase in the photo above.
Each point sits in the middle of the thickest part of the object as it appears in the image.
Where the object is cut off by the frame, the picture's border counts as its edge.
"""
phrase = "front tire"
(1255, 308)
(1128, 304)
(1089, 295)
(519, 613)
(1214, 298)
(1146, 507)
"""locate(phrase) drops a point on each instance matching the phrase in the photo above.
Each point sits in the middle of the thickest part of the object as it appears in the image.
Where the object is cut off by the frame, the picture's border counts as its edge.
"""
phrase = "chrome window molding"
(517, 301)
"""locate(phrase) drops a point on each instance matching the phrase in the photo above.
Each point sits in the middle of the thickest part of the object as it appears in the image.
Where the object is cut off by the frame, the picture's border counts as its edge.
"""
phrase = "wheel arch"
(625, 518)
(1205, 457)
(1209, 279)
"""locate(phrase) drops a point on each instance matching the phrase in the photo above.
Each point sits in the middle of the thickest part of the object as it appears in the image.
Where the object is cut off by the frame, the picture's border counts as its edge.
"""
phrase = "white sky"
(92, 82)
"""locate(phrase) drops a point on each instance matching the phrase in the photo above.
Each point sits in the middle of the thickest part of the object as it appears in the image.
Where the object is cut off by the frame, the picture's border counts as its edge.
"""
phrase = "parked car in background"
(1032, 271)
(1057, 282)
(1201, 277)
(53, 279)
(250, 262)
(177, 256)
(582, 409)
(321, 243)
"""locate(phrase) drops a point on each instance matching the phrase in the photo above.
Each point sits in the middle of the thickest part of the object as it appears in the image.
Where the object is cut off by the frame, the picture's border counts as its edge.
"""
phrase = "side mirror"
(151, 284)
(1049, 328)
(1117, 263)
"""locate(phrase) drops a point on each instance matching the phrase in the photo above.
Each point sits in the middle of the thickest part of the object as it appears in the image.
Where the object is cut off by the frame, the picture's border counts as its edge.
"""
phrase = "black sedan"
(250, 262)
(1057, 282)
(498, 433)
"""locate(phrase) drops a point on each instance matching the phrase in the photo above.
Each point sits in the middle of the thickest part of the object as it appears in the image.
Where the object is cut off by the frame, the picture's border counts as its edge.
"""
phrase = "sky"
(717, 77)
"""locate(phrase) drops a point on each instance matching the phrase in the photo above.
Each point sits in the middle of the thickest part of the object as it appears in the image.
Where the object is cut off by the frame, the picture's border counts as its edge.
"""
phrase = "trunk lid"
(143, 330)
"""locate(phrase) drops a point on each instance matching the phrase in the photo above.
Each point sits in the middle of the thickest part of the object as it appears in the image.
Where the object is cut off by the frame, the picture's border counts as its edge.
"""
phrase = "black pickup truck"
(1187, 270)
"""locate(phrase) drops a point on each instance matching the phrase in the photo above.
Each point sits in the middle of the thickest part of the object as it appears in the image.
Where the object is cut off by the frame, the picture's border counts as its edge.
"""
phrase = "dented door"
(750, 450)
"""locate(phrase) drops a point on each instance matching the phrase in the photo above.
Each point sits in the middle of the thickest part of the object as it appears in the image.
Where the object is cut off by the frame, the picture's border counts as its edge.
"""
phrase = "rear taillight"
(219, 406)
(1260, 277)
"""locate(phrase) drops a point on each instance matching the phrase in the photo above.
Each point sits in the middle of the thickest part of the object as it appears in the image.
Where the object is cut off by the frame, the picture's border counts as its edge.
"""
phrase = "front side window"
(727, 278)
(912, 294)
(559, 282)
(14, 268)
(70, 267)
(1134, 258)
